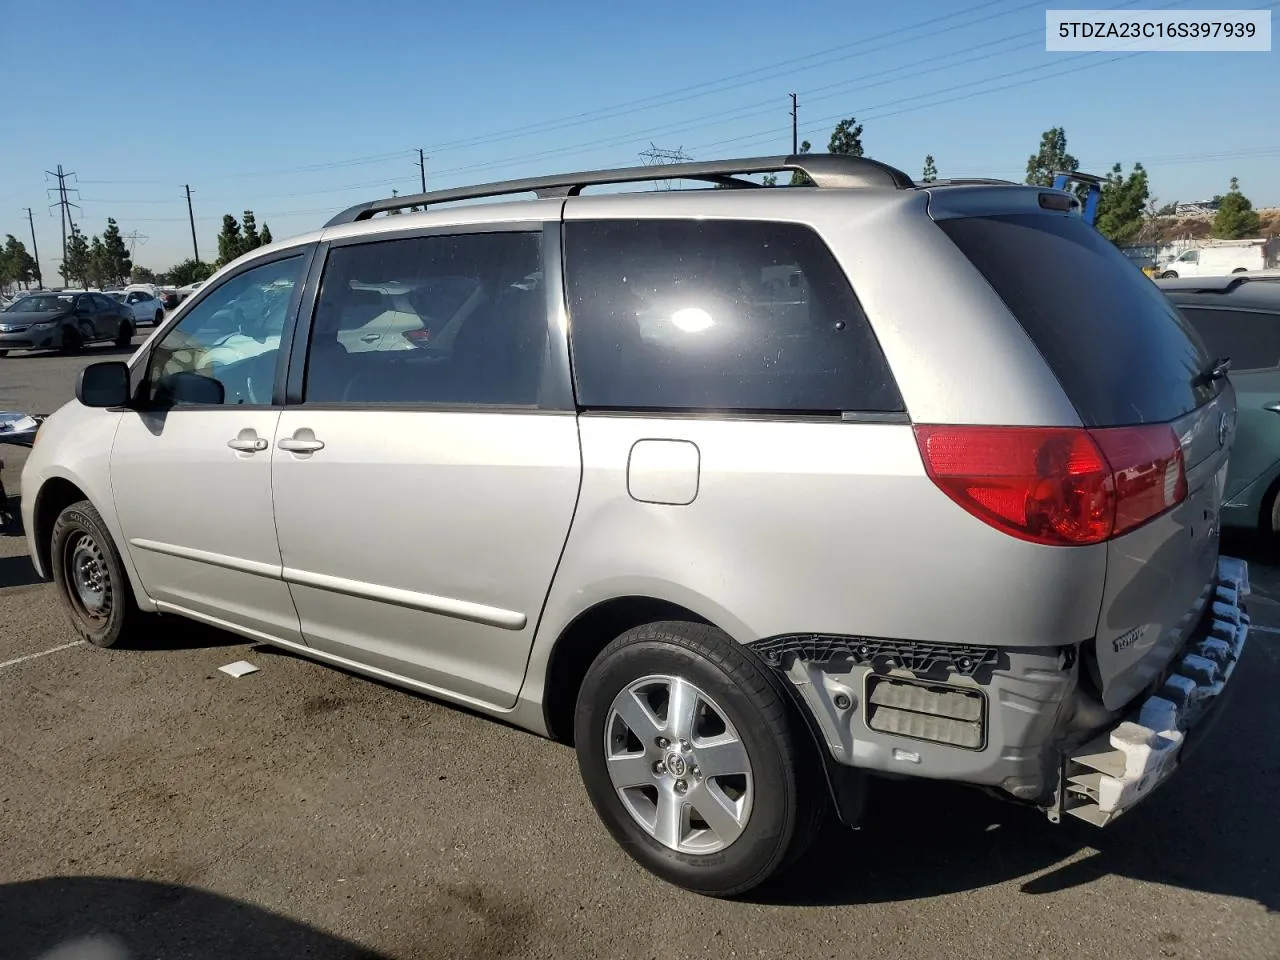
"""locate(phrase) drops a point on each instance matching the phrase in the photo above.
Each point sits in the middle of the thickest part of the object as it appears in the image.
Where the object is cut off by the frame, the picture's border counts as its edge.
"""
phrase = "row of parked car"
(714, 485)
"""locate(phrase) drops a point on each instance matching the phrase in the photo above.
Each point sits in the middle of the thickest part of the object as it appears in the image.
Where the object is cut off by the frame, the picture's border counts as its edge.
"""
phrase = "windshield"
(42, 303)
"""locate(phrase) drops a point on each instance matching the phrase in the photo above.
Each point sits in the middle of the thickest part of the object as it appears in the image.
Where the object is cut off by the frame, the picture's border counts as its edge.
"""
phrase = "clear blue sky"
(296, 110)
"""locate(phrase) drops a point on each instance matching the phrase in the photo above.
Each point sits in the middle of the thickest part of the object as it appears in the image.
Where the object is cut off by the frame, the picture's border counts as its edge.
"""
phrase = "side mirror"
(189, 387)
(104, 384)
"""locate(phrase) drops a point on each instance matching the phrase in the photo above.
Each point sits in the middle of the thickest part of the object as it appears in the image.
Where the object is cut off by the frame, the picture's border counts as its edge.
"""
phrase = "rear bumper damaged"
(1018, 720)
(1109, 775)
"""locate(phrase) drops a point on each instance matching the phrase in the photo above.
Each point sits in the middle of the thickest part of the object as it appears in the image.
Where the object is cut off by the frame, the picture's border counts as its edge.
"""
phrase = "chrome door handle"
(248, 441)
(302, 441)
(370, 337)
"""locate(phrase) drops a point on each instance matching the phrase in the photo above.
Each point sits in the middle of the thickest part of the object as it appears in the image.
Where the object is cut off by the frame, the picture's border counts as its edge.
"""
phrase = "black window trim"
(902, 416)
(555, 390)
(308, 254)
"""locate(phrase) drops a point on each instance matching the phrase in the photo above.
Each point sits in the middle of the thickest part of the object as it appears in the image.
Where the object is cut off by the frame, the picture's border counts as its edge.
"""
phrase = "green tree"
(117, 265)
(930, 173)
(266, 234)
(16, 265)
(798, 179)
(1051, 158)
(97, 269)
(846, 138)
(189, 271)
(229, 240)
(249, 232)
(140, 274)
(1122, 205)
(75, 266)
(1236, 219)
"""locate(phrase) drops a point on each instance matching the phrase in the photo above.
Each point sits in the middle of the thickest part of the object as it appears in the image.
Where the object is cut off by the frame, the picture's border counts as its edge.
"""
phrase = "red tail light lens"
(1057, 485)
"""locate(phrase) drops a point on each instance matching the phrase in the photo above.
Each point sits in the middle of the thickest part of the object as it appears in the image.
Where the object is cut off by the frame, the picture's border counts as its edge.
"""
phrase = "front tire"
(159, 318)
(695, 760)
(72, 342)
(1169, 275)
(90, 576)
(125, 335)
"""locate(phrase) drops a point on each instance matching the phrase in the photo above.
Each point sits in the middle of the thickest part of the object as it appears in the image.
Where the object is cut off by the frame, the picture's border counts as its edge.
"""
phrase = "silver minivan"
(750, 493)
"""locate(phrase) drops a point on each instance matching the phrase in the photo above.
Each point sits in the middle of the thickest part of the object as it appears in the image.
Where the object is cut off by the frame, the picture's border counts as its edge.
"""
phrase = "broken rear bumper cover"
(1107, 776)
(1016, 720)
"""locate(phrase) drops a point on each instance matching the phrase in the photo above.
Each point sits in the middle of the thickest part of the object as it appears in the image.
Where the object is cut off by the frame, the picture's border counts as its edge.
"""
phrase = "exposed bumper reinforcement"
(1106, 777)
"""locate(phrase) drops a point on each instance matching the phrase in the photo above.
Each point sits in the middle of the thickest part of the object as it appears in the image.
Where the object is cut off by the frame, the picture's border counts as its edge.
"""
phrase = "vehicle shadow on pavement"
(1212, 829)
(109, 918)
(18, 572)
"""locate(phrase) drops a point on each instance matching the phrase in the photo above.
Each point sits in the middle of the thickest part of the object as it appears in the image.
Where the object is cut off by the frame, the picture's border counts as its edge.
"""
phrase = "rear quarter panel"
(803, 526)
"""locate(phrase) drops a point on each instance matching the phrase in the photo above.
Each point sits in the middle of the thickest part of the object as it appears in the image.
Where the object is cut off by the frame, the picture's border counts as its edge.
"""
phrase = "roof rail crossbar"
(823, 169)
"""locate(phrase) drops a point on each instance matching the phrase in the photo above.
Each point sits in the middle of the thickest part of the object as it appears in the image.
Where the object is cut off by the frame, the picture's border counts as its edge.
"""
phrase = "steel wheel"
(89, 576)
(678, 764)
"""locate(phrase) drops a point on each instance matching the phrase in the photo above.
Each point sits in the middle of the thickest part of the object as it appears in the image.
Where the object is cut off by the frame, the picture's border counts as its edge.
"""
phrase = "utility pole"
(35, 251)
(64, 206)
(195, 247)
(422, 169)
(795, 139)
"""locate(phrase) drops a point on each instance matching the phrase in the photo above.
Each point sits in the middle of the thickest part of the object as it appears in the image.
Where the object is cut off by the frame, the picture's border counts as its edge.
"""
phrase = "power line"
(722, 84)
(767, 107)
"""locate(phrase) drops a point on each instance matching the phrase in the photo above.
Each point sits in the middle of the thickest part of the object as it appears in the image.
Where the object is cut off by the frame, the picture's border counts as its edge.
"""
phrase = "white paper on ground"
(239, 668)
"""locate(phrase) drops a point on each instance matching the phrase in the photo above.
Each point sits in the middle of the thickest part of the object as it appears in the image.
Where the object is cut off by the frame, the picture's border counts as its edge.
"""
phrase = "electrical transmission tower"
(134, 239)
(655, 155)
(64, 203)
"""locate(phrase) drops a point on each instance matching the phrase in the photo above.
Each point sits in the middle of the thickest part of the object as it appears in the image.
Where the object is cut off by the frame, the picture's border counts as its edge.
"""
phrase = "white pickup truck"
(1221, 258)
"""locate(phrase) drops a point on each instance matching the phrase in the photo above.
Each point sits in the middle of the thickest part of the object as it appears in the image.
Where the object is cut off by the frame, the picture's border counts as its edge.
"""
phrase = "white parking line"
(43, 653)
(1253, 628)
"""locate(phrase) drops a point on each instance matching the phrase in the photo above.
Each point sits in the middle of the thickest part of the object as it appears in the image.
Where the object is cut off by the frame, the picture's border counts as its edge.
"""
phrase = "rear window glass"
(717, 315)
(1120, 349)
(1250, 338)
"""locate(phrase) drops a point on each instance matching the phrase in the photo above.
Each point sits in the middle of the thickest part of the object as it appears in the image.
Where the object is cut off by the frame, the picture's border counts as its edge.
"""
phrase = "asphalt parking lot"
(151, 806)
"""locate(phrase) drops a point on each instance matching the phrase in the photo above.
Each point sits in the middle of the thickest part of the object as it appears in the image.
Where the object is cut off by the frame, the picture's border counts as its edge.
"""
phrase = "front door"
(425, 485)
(191, 467)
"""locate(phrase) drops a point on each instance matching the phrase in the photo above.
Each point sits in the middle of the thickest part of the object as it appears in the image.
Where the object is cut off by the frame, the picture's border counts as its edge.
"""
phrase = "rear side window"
(1250, 338)
(1122, 352)
(685, 315)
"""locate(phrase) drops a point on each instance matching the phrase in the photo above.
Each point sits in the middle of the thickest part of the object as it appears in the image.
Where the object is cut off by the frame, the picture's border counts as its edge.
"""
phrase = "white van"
(1219, 259)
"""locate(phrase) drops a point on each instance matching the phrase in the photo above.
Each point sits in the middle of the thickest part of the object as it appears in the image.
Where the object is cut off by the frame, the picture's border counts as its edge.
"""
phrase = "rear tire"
(89, 574)
(1240, 270)
(125, 336)
(734, 795)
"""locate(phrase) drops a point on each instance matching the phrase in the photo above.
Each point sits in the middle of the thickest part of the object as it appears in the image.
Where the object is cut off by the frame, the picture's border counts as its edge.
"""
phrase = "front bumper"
(32, 338)
(1107, 776)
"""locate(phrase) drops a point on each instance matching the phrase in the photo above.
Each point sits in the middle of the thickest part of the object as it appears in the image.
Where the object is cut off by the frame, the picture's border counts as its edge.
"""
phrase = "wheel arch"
(57, 492)
(581, 641)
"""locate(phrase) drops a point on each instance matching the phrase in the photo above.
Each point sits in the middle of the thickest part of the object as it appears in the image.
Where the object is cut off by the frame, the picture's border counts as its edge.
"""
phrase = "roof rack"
(825, 170)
